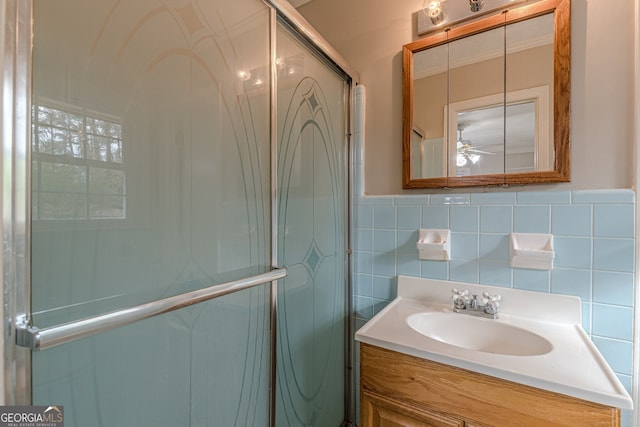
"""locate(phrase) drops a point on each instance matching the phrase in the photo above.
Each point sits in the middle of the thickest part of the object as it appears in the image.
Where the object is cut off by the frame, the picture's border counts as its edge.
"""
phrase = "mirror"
(487, 102)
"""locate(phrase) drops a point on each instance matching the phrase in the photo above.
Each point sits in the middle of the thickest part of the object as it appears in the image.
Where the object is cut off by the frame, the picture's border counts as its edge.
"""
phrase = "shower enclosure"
(175, 213)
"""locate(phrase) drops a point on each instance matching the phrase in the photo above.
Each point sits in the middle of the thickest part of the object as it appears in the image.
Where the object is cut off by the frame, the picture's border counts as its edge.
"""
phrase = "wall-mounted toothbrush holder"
(530, 250)
(434, 244)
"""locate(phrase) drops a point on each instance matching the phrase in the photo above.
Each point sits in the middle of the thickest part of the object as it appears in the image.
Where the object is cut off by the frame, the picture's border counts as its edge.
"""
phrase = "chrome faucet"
(487, 307)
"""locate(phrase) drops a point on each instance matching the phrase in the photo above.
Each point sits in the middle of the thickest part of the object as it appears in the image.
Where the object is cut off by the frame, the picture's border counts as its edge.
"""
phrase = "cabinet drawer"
(376, 411)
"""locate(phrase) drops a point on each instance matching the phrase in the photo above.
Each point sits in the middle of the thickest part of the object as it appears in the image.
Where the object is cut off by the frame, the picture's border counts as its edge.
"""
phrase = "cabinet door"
(376, 411)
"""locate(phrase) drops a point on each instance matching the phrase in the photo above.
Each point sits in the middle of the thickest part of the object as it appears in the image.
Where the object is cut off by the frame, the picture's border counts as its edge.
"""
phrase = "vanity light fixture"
(476, 5)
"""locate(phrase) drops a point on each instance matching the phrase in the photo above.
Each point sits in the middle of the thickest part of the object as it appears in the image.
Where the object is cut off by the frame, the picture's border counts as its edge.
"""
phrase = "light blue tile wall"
(594, 240)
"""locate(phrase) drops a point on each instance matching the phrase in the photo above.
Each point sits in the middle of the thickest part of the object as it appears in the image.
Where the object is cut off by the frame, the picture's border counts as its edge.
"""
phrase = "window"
(77, 164)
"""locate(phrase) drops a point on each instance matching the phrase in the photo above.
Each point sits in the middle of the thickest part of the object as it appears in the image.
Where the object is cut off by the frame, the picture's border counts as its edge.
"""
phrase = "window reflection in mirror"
(512, 137)
(479, 145)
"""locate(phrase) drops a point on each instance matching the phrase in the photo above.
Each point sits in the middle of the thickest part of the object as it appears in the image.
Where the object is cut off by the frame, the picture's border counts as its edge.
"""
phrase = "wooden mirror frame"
(561, 95)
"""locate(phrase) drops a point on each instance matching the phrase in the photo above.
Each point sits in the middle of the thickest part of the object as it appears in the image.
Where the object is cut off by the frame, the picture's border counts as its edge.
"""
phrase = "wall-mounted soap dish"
(530, 250)
(434, 244)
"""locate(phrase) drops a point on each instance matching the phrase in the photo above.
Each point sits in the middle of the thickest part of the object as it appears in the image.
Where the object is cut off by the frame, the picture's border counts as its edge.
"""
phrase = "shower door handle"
(32, 337)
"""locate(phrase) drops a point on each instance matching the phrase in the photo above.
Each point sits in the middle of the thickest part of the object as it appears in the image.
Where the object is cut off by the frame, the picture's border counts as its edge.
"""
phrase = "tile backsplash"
(594, 239)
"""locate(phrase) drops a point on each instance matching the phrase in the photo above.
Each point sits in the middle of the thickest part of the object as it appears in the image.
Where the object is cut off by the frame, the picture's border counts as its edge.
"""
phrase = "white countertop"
(573, 367)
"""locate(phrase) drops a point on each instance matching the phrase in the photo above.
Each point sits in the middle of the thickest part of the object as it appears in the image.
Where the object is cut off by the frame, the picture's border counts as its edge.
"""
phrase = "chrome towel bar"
(40, 339)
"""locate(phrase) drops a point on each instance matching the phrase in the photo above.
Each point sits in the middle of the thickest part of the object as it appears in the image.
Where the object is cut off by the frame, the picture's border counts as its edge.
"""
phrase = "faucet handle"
(490, 297)
(460, 298)
(491, 307)
(459, 294)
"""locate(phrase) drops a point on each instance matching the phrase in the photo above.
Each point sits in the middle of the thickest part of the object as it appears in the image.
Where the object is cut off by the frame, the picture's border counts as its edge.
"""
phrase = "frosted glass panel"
(179, 369)
(150, 156)
(311, 243)
(150, 178)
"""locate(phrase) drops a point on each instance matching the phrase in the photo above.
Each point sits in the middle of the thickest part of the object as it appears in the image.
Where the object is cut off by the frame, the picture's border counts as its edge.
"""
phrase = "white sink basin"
(537, 341)
(475, 333)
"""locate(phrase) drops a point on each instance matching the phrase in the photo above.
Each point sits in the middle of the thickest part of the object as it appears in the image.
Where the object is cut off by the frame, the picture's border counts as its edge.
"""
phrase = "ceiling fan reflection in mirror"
(465, 152)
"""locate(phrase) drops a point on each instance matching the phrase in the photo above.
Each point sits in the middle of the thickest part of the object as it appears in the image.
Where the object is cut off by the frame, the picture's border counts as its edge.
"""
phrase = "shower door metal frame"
(15, 123)
(16, 43)
(322, 48)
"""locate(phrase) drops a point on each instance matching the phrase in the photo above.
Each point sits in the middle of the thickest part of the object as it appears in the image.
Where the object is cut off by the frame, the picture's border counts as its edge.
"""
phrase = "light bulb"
(435, 12)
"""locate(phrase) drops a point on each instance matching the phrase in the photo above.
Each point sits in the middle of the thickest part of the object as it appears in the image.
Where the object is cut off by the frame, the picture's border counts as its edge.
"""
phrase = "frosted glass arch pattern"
(150, 178)
(311, 238)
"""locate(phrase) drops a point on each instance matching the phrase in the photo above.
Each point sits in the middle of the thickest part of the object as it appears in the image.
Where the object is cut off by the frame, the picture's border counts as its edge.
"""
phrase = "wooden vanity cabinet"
(401, 390)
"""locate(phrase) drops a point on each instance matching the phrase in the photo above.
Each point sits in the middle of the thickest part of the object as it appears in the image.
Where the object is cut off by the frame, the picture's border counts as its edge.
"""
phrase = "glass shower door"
(151, 178)
(312, 185)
